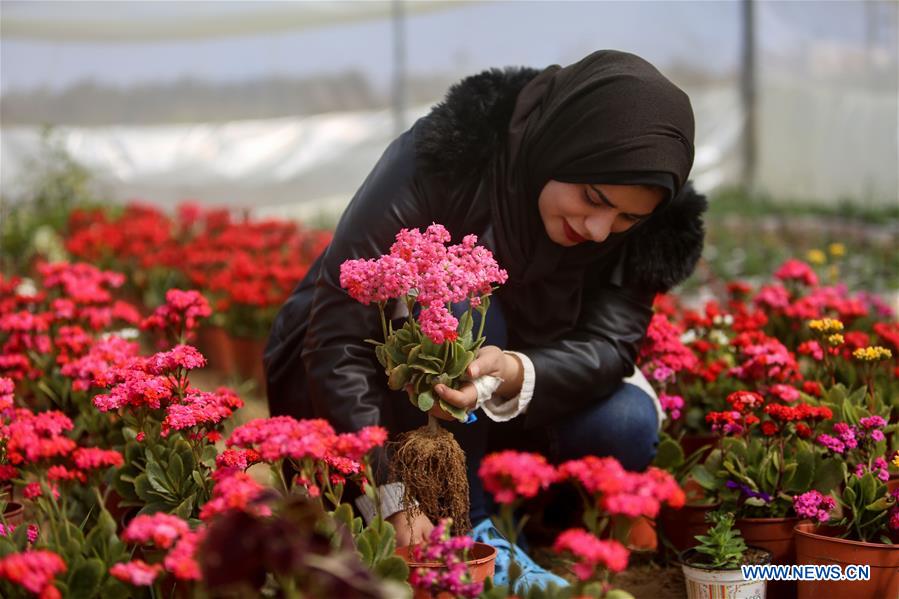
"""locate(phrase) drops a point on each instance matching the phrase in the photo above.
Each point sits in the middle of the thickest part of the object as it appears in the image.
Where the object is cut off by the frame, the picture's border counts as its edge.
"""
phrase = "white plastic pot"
(704, 583)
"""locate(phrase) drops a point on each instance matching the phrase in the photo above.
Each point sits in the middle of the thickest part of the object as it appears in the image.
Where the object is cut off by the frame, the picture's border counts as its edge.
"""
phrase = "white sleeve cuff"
(391, 502)
(502, 410)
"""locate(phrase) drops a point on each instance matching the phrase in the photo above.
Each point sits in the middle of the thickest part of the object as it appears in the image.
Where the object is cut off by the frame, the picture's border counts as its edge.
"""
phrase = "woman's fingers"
(488, 361)
(466, 397)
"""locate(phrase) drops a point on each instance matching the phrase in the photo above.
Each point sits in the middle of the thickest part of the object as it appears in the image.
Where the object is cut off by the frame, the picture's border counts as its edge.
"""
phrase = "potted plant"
(865, 530)
(713, 568)
(431, 348)
(766, 457)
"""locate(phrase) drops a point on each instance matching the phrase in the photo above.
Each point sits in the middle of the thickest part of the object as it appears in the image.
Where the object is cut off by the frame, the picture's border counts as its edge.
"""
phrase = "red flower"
(33, 570)
(590, 552)
(769, 428)
(509, 475)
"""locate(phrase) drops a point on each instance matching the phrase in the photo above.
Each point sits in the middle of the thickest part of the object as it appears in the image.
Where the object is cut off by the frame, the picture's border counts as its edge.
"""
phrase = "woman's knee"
(624, 425)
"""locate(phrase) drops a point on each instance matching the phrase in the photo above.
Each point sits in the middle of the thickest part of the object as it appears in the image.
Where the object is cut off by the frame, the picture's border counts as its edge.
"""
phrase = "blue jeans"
(623, 425)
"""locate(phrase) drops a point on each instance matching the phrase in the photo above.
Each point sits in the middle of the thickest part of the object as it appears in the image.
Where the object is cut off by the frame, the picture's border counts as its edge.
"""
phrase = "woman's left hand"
(492, 361)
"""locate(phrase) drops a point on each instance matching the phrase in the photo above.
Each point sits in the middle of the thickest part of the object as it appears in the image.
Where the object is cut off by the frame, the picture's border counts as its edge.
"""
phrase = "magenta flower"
(160, 528)
(814, 505)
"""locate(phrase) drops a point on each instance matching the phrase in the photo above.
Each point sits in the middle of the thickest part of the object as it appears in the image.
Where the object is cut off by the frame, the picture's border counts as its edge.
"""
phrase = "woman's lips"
(571, 234)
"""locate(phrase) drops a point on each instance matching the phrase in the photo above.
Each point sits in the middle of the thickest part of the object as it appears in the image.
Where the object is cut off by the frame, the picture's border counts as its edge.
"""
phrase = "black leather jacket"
(317, 364)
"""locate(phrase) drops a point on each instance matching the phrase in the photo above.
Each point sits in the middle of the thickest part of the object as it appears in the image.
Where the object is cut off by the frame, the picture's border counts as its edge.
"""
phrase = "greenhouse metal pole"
(748, 95)
(399, 67)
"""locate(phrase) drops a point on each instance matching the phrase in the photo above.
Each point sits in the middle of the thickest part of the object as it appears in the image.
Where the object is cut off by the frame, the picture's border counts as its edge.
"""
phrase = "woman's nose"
(599, 225)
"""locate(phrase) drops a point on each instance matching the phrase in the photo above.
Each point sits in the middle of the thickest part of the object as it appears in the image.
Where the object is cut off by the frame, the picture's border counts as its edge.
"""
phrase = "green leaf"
(176, 470)
(399, 376)
(197, 478)
(186, 507)
(669, 455)
(868, 488)
(363, 546)
(85, 579)
(460, 414)
(392, 568)
(879, 505)
(828, 474)
(426, 401)
(157, 477)
(706, 479)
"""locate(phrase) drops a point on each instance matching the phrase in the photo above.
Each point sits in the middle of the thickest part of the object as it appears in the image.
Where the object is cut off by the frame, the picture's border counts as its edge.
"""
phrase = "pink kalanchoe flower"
(199, 408)
(7, 386)
(235, 490)
(282, 437)
(34, 570)
(137, 572)
(31, 437)
(814, 505)
(618, 491)
(510, 475)
(95, 458)
(672, 404)
(180, 356)
(590, 552)
(449, 551)
(438, 324)
(784, 392)
(181, 310)
(160, 528)
(240, 459)
(181, 561)
(796, 270)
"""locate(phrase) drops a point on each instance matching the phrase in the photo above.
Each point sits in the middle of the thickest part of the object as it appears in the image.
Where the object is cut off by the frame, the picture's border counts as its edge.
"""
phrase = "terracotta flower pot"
(775, 535)
(817, 545)
(215, 343)
(14, 513)
(680, 527)
(482, 563)
(641, 535)
(248, 359)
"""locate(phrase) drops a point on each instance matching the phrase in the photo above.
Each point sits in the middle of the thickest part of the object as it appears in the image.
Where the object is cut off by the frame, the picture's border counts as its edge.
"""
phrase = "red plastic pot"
(482, 563)
(818, 545)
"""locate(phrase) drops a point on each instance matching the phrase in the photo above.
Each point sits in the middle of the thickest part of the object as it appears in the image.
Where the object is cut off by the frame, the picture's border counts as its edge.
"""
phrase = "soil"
(753, 556)
(652, 581)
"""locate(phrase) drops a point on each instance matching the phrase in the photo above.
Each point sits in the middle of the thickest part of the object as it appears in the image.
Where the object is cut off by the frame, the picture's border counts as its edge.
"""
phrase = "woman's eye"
(631, 218)
(590, 200)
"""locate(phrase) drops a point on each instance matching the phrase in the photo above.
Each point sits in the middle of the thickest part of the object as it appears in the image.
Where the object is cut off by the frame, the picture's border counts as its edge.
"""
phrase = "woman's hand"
(490, 360)
(408, 533)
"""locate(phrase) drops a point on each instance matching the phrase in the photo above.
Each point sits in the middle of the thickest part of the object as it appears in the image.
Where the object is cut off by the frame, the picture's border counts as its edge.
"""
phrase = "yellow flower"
(826, 325)
(835, 340)
(872, 353)
(837, 249)
(896, 460)
(816, 256)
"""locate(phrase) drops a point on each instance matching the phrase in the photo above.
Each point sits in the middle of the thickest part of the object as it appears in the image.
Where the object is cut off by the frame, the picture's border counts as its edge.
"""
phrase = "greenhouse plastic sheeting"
(289, 166)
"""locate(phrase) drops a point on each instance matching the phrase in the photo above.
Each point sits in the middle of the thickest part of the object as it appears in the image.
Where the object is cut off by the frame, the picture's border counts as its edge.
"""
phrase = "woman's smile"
(571, 234)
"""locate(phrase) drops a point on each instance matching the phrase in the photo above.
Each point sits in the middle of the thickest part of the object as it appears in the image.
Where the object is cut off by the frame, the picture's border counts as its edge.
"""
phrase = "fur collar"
(461, 133)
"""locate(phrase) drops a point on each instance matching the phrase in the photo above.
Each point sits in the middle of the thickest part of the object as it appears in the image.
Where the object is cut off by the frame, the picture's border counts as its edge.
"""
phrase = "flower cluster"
(34, 570)
(511, 475)
(450, 552)
(814, 505)
(617, 491)
(165, 532)
(421, 265)
(589, 552)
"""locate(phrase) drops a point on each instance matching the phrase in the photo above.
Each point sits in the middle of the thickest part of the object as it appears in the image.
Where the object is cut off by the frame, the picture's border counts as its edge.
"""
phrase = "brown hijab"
(609, 118)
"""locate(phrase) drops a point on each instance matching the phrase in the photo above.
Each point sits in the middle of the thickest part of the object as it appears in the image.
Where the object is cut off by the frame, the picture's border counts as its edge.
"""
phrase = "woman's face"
(575, 213)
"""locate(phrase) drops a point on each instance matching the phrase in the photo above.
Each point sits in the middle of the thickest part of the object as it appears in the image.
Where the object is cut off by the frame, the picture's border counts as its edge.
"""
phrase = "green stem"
(383, 320)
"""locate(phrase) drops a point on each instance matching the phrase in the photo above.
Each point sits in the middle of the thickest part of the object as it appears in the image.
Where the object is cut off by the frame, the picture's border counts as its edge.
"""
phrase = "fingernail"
(474, 370)
(440, 389)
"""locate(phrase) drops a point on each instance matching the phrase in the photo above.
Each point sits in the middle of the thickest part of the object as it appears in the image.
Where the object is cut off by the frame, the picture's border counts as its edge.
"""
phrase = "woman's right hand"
(408, 533)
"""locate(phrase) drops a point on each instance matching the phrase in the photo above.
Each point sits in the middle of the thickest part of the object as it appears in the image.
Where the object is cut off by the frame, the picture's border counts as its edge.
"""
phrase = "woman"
(576, 178)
